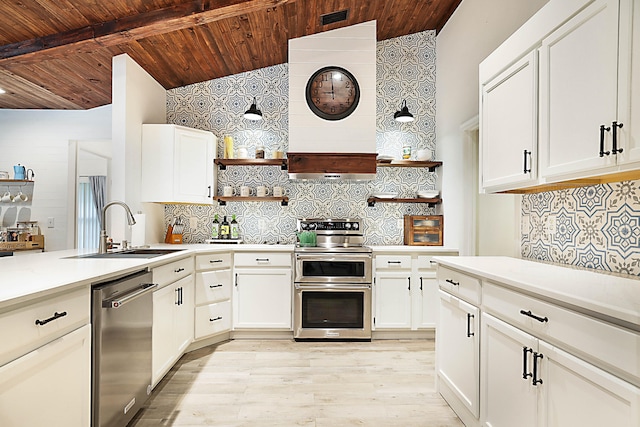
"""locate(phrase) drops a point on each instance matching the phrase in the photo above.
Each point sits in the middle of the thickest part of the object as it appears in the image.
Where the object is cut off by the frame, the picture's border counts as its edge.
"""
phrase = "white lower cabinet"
(529, 382)
(213, 294)
(262, 298)
(393, 300)
(458, 353)
(50, 386)
(172, 325)
(425, 300)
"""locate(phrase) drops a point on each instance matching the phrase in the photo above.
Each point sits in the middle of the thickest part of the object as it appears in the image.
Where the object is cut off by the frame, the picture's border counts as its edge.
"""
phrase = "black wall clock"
(332, 93)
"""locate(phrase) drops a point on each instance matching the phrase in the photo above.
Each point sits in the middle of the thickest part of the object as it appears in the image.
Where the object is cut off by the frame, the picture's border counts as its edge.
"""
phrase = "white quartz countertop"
(432, 250)
(608, 296)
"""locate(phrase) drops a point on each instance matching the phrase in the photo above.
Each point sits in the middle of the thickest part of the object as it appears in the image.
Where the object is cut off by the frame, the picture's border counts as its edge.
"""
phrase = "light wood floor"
(313, 384)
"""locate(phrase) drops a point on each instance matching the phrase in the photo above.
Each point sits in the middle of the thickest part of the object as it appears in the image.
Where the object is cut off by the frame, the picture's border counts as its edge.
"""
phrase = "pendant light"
(403, 115)
(253, 113)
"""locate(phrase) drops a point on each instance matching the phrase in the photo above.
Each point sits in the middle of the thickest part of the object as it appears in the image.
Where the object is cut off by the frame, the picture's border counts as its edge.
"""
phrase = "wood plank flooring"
(250, 383)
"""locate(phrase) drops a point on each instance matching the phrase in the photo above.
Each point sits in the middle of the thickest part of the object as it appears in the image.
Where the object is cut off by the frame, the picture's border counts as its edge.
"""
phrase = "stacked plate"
(384, 159)
(428, 194)
(385, 195)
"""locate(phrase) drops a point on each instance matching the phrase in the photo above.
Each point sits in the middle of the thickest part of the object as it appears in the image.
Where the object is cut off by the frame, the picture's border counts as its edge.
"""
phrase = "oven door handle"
(333, 257)
(329, 286)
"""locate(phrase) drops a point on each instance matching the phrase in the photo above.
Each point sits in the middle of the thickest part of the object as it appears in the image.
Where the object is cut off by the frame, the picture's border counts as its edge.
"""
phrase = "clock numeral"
(347, 84)
(333, 109)
(317, 101)
(315, 92)
(325, 77)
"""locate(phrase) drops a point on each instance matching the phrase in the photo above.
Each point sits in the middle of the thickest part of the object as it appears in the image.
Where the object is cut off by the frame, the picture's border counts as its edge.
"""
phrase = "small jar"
(242, 152)
(260, 152)
(406, 152)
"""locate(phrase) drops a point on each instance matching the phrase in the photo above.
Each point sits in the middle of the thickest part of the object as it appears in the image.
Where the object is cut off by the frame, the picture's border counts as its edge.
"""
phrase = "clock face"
(332, 93)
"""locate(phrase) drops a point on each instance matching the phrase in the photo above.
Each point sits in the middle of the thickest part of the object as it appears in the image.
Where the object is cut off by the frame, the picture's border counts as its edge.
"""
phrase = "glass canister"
(228, 147)
(406, 152)
(260, 152)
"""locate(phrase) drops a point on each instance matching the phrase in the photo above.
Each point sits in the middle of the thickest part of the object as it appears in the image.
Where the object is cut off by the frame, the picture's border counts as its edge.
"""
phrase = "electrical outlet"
(400, 224)
(551, 225)
(51, 222)
(193, 223)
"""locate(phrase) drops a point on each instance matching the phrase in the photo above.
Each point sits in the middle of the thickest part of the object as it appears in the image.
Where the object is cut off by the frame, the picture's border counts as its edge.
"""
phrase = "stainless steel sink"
(131, 253)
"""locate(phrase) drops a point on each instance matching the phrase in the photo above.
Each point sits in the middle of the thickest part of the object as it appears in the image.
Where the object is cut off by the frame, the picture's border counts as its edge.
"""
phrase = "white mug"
(6, 197)
(262, 191)
(245, 191)
(278, 191)
(20, 197)
(228, 191)
(4, 175)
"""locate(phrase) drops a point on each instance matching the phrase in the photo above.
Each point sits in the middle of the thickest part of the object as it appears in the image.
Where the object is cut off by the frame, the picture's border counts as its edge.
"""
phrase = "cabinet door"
(578, 92)
(393, 300)
(508, 396)
(183, 324)
(193, 157)
(576, 393)
(509, 127)
(262, 299)
(426, 301)
(629, 83)
(50, 386)
(163, 341)
(458, 350)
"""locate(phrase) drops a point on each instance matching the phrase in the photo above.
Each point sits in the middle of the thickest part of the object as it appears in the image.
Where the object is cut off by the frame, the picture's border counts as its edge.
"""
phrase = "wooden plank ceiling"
(57, 54)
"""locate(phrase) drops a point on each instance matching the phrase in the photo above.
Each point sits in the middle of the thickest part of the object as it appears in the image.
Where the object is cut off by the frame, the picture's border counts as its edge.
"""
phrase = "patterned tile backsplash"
(217, 106)
(596, 227)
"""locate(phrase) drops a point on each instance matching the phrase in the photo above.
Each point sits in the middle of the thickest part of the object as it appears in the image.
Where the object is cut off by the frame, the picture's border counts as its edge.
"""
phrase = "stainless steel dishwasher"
(121, 370)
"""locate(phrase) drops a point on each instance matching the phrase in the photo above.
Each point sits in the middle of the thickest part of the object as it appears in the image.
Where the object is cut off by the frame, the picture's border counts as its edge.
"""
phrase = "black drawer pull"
(421, 283)
(536, 380)
(262, 259)
(469, 317)
(409, 279)
(212, 261)
(178, 270)
(452, 282)
(215, 319)
(525, 374)
(55, 316)
(533, 316)
(394, 262)
(219, 285)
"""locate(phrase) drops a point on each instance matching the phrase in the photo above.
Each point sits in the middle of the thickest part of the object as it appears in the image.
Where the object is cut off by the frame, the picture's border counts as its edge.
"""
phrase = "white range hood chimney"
(351, 140)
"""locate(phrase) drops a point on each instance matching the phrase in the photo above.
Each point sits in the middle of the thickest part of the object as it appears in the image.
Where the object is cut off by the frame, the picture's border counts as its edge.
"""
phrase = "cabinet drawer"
(387, 262)
(214, 261)
(614, 347)
(460, 284)
(60, 314)
(212, 319)
(169, 273)
(213, 286)
(262, 259)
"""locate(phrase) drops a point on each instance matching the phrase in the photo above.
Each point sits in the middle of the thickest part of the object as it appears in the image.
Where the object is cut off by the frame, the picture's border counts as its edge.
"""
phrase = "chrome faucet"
(102, 249)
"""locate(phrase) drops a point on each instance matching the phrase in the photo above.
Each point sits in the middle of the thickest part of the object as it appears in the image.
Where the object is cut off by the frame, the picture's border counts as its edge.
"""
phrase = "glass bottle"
(224, 228)
(235, 231)
(215, 228)
(260, 152)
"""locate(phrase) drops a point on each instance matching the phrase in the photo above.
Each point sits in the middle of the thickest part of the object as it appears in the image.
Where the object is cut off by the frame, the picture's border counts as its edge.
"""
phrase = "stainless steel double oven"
(332, 295)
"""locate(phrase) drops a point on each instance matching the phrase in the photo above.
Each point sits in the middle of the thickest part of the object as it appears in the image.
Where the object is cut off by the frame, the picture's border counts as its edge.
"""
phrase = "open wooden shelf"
(223, 163)
(15, 181)
(431, 164)
(371, 201)
(284, 201)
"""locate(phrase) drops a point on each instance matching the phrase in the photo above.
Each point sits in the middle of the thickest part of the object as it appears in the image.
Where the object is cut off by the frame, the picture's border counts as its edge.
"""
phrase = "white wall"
(475, 29)
(137, 99)
(39, 139)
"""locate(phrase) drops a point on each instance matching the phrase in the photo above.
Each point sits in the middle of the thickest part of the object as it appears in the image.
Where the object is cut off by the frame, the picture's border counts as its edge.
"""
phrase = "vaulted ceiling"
(57, 54)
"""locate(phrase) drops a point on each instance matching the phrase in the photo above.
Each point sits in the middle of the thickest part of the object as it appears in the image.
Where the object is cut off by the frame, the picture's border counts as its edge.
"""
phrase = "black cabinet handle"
(602, 130)
(533, 316)
(262, 259)
(215, 318)
(219, 285)
(452, 282)
(178, 270)
(409, 279)
(177, 296)
(209, 192)
(181, 294)
(236, 280)
(615, 150)
(55, 316)
(469, 333)
(525, 161)
(213, 261)
(535, 381)
(525, 374)
(421, 283)
(394, 262)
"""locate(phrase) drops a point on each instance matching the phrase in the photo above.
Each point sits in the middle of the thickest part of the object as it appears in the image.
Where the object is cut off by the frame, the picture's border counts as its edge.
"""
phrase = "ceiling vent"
(331, 18)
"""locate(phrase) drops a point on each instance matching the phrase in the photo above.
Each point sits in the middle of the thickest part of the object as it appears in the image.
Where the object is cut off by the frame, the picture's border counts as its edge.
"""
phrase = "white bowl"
(385, 195)
(428, 194)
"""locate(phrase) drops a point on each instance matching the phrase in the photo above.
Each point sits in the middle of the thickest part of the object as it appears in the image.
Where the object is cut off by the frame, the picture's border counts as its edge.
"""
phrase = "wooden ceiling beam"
(135, 27)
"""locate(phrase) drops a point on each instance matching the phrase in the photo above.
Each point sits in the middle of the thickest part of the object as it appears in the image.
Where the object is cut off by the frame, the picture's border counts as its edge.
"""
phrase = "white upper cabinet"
(177, 164)
(509, 126)
(578, 93)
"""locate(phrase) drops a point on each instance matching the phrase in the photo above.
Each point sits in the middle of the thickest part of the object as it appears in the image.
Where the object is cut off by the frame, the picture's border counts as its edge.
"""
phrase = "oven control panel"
(327, 225)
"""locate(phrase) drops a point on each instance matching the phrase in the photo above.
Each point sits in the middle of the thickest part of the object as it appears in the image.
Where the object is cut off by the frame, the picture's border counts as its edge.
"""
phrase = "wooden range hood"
(338, 166)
